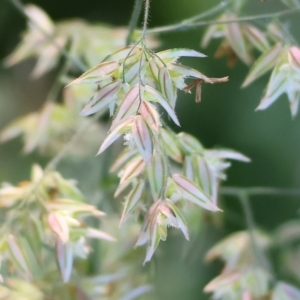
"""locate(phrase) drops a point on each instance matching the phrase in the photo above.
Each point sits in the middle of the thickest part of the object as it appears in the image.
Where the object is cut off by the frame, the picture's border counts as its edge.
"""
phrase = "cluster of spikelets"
(50, 128)
(279, 53)
(45, 234)
(41, 215)
(246, 272)
(161, 171)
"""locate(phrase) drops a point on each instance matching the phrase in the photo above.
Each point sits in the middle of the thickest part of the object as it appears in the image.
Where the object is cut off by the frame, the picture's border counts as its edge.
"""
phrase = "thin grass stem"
(133, 21)
(260, 259)
(185, 25)
(260, 191)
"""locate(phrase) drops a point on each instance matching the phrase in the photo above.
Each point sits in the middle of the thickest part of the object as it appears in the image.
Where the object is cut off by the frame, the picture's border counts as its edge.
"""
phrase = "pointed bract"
(207, 179)
(187, 72)
(98, 73)
(144, 234)
(161, 215)
(17, 255)
(158, 97)
(171, 145)
(59, 225)
(166, 86)
(236, 39)
(150, 115)
(293, 92)
(154, 241)
(264, 63)
(125, 156)
(189, 143)
(72, 206)
(191, 192)
(225, 279)
(132, 199)
(256, 38)
(117, 132)
(156, 174)
(123, 53)
(172, 55)
(179, 217)
(132, 169)
(128, 106)
(226, 154)
(99, 234)
(294, 58)
(211, 32)
(64, 255)
(143, 138)
(122, 187)
(155, 65)
(276, 87)
(196, 169)
(102, 98)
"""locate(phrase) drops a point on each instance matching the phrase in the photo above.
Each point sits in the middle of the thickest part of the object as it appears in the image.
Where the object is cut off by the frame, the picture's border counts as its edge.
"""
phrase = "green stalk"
(185, 25)
(134, 19)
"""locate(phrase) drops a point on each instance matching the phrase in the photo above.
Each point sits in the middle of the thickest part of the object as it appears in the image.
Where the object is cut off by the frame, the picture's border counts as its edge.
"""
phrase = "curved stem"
(250, 224)
(124, 61)
(185, 25)
(208, 13)
(134, 19)
(260, 258)
(153, 54)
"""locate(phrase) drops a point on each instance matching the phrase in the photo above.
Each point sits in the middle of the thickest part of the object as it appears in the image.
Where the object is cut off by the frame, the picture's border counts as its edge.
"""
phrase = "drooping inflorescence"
(135, 84)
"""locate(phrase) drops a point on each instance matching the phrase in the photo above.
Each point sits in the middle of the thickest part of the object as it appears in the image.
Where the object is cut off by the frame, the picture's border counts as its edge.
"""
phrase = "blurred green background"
(225, 117)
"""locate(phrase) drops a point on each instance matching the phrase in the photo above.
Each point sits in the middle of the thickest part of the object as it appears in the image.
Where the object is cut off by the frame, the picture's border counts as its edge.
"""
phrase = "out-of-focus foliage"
(279, 54)
(243, 274)
(49, 129)
(44, 233)
(43, 230)
(44, 40)
(288, 239)
(238, 39)
(247, 273)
